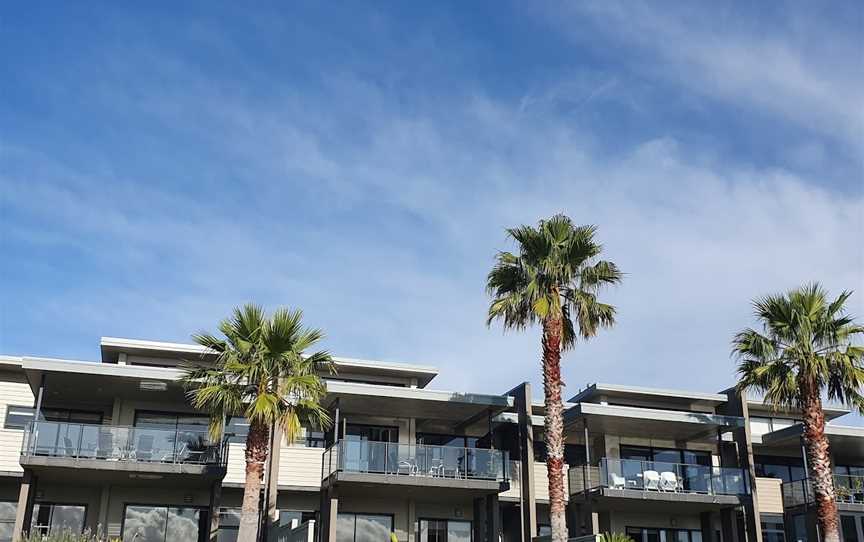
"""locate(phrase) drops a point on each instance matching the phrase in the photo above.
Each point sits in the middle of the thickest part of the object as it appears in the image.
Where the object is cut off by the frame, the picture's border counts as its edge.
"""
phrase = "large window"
(363, 527)
(143, 523)
(641, 534)
(374, 433)
(666, 455)
(443, 530)
(772, 529)
(229, 524)
(56, 518)
(288, 516)
(7, 520)
(762, 425)
(787, 469)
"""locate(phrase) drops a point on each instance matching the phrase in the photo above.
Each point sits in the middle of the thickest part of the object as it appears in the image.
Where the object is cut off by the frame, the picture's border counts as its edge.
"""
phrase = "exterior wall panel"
(770, 495)
(14, 390)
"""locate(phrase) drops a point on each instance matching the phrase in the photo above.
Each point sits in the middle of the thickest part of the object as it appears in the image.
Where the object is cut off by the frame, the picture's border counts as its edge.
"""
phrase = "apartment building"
(114, 444)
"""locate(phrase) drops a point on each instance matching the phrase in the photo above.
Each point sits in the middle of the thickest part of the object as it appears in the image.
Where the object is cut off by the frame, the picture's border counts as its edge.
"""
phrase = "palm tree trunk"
(819, 464)
(554, 426)
(256, 455)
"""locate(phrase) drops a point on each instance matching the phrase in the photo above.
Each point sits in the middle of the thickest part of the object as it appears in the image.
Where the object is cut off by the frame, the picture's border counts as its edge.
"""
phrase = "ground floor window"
(641, 534)
(852, 528)
(57, 518)
(363, 527)
(229, 524)
(287, 516)
(544, 529)
(7, 520)
(145, 523)
(772, 529)
(443, 530)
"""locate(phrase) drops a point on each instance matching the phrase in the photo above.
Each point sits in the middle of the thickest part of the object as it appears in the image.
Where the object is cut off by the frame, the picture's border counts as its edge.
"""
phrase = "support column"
(273, 476)
(493, 519)
(215, 501)
(331, 511)
(727, 525)
(24, 511)
(479, 523)
(104, 500)
(736, 405)
(706, 525)
(527, 502)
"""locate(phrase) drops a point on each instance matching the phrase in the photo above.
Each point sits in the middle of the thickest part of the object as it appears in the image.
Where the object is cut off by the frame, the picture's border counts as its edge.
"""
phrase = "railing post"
(80, 440)
(386, 456)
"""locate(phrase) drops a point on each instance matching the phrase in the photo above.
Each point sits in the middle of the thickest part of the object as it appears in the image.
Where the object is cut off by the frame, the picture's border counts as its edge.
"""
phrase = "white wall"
(14, 390)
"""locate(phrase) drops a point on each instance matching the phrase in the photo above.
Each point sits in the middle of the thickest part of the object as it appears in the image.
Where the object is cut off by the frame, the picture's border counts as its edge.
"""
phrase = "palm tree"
(261, 372)
(805, 350)
(553, 281)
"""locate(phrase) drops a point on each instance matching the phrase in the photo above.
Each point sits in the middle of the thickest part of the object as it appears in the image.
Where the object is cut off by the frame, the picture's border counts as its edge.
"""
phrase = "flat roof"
(758, 405)
(640, 392)
(112, 346)
(650, 422)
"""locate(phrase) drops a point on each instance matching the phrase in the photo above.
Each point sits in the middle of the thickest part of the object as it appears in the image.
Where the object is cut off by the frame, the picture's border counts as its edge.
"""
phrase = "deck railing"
(847, 489)
(122, 443)
(659, 476)
(356, 456)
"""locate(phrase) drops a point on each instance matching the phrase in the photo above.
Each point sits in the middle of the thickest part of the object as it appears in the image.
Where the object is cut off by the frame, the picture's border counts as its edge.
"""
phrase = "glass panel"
(7, 510)
(182, 525)
(18, 416)
(667, 456)
(759, 426)
(6, 530)
(372, 528)
(651, 535)
(544, 530)
(849, 529)
(635, 534)
(695, 536)
(345, 527)
(67, 518)
(227, 534)
(460, 531)
(432, 530)
(145, 523)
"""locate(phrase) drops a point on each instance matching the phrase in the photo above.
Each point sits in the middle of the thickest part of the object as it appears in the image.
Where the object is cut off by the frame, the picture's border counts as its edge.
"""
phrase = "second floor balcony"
(848, 491)
(166, 450)
(656, 480)
(416, 464)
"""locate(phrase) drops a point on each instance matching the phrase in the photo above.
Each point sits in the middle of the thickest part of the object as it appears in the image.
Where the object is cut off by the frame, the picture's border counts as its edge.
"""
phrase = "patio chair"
(651, 480)
(668, 481)
(408, 465)
(69, 448)
(617, 481)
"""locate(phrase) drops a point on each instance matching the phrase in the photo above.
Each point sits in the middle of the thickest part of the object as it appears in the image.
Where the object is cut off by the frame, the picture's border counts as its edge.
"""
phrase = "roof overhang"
(845, 441)
(350, 366)
(656, 423)
(613, 392)
(757, 407)
(377, 400)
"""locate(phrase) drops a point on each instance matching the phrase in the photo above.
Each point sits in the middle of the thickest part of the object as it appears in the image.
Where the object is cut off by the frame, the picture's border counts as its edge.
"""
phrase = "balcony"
(168, 450)
(849, 493)
(415, 465)
(658, 481)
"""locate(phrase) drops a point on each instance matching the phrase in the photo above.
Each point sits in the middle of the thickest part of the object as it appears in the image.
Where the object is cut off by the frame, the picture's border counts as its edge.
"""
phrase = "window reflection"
(363, 527)
(161, 524)
(56, 518)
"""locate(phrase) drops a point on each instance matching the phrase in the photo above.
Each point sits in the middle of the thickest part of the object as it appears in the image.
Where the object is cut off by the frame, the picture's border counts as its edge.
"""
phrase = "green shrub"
(69, 536)
(615, 537)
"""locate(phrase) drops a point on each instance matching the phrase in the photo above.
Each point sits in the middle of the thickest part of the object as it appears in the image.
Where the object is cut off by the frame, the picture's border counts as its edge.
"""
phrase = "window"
(459, 441)
(787, 469)
(163, 524)
(574, 454)
(666, 455)
(51, 518)
(544, 530)
(760, 425)
(17, 417)
(66, 415)
(640, 534)
(7, 520)
(287, 516)
(374, 433)
(363, 527)
(849, 528)
(772, 529)
(443, 530)
(229, 524)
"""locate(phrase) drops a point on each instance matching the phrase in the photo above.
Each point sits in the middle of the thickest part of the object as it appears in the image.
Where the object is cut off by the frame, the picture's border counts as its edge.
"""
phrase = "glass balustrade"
(360, 456)
(847, 489)
(112, 442)
(672, 477)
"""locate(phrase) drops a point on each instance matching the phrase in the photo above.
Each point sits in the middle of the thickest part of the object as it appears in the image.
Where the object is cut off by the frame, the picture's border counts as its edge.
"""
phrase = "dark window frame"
(203, 535)
(379, 426)
(378, 514)
(33, 522)
(447, 520)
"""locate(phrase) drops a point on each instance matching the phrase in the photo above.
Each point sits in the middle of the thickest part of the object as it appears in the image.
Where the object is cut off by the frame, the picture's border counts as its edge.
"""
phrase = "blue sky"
(163, 163)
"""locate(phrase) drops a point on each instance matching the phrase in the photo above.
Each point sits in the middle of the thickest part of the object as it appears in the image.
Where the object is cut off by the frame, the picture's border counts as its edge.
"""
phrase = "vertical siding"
(236, 471)
(770, 495)
(14, 390)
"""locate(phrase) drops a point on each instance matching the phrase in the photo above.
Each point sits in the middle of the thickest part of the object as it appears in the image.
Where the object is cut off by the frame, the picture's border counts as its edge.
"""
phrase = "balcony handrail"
(347, 455)
(847, 488)
(123, 442)
(708, 479)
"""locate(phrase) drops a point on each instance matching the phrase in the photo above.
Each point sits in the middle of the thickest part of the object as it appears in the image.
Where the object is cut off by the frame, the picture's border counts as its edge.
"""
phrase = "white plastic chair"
(651, 479)
(409, 465)
(617, 481)
(668, 481)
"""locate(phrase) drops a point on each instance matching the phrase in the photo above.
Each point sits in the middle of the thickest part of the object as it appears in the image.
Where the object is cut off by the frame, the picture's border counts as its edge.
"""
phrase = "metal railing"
(847, 489)
(672, 477)
(391, 458)
(122, 443)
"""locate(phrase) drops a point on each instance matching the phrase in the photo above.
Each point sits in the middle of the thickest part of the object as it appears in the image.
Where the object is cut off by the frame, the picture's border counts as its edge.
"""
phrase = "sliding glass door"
(443, 530)
(143, 523)
(363, 527)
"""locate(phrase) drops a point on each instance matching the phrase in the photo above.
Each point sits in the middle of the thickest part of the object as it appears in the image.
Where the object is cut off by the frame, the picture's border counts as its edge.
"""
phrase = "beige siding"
(236, 464)
(14, 390)
(770, 495)
(300, 466)
(541, 482)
